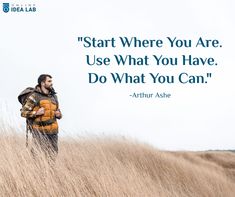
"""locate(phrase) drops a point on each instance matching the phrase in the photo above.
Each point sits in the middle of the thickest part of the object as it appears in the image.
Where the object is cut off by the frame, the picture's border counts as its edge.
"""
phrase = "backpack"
(22, 98)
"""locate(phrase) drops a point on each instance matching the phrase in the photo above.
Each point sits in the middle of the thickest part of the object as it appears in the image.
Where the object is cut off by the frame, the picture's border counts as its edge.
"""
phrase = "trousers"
(47, 143)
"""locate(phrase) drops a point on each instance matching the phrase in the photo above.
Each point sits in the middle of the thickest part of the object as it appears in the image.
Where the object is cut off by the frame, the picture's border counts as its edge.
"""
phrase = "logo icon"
(5, 7)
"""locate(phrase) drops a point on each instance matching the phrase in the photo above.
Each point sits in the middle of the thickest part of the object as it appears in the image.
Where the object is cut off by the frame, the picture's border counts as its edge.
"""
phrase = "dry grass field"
(111, 166)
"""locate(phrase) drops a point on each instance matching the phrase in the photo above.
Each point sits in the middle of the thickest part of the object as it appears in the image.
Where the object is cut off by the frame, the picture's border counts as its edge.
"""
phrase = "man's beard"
(49, 88)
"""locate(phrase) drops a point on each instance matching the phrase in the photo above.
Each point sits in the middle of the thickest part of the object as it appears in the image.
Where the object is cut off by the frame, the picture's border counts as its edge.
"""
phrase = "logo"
(5, 7)
(19, 7)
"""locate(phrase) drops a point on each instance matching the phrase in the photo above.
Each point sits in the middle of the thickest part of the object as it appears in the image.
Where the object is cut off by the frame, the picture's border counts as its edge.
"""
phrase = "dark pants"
(47, 143)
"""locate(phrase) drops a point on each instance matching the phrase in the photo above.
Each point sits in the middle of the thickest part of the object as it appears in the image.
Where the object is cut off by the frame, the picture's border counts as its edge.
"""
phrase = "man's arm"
(27, 109)
(58, 114)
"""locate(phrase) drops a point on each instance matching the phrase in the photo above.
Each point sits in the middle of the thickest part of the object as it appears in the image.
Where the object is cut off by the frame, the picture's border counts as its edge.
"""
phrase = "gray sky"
(197, 117)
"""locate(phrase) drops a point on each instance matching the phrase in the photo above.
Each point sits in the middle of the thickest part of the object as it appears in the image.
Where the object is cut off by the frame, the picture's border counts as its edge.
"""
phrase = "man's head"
(45, 81)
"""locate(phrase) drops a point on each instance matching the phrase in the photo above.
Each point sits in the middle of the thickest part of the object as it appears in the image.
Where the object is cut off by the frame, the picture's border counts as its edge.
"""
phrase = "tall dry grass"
(109, 166)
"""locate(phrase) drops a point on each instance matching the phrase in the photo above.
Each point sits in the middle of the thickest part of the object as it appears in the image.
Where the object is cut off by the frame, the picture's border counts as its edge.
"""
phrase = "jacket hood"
(39, 90)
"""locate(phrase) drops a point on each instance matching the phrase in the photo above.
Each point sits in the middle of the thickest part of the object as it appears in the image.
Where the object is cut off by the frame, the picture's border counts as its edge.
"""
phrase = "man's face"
(48, 83)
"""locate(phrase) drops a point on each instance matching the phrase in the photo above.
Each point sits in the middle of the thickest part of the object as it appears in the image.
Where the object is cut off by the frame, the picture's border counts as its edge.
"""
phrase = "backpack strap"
(30, 120)
(28, 125)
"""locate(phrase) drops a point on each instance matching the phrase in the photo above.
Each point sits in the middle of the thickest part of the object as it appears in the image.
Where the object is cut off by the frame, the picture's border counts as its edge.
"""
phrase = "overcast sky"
(196, 117)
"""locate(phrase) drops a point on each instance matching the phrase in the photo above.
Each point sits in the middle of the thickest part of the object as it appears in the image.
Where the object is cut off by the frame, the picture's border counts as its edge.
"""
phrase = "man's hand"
(41, 111)
(58, 114)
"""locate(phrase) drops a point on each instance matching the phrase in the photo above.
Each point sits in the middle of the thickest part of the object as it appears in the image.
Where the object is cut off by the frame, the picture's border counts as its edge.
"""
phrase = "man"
(41, 108)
